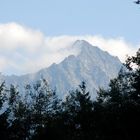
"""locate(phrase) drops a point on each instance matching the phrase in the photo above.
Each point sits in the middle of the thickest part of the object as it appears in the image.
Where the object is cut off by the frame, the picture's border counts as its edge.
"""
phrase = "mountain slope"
(91, 65)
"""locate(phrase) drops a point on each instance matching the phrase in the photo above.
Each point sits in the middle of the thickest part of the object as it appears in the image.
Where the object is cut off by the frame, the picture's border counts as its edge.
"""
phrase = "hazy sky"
(36, 33)
(110, 18)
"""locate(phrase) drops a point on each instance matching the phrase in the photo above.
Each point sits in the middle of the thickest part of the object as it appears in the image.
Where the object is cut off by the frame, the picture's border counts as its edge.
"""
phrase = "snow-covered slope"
(92, 65)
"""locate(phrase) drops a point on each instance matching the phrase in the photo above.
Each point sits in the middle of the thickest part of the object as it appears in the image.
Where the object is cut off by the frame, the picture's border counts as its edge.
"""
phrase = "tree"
(2, 94)
(78, 108)
(18, 112)
(120, 103)
(3, 114)
(137, 2)
(133, 64)
(45, 106)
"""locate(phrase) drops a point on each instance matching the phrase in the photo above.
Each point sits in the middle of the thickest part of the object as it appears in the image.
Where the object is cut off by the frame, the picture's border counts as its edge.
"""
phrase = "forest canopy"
(40, 114)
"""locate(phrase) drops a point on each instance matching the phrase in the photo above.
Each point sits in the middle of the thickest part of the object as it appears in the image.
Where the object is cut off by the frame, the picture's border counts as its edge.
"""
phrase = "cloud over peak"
(24, 50)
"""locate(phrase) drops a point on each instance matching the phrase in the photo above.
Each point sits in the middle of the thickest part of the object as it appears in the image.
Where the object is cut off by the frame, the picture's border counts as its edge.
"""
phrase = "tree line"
(38, 114)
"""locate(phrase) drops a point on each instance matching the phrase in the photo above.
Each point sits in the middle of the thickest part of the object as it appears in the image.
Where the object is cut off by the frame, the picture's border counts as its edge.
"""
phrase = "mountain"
(91, 64)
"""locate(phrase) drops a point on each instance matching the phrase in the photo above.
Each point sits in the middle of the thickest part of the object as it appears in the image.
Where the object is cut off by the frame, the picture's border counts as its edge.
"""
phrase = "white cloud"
(24, 50)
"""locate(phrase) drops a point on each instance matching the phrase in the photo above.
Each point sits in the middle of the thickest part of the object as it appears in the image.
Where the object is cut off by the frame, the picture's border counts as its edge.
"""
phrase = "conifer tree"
(3, 113)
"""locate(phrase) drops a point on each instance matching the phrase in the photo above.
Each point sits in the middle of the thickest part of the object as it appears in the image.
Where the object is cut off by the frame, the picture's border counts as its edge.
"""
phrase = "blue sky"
(109, 18)
(36, 33)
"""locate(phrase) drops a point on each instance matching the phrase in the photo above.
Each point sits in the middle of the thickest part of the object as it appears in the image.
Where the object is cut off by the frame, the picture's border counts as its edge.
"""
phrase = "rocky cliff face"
(92, 65)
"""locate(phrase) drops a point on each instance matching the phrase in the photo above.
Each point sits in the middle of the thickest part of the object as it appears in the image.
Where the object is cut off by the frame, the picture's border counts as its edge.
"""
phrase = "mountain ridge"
(92, 65)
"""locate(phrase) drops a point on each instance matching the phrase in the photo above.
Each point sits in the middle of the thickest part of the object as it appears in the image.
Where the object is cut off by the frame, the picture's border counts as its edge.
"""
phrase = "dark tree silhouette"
(137, 2)
(38, 114)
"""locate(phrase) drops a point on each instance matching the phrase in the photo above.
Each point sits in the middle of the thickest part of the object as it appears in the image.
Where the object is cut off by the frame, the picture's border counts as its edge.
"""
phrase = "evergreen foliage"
(38, 114)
